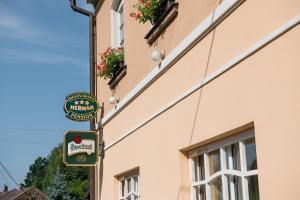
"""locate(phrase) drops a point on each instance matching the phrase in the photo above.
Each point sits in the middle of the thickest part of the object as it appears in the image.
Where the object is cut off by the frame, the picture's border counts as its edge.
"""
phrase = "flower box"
(168, 11)
(112, 65)
(118, 74)
(160, 13)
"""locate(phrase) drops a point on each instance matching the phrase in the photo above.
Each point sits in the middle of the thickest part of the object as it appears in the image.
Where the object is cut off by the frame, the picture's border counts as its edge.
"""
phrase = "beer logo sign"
(81, 106)
(78, 145)
(80, 148)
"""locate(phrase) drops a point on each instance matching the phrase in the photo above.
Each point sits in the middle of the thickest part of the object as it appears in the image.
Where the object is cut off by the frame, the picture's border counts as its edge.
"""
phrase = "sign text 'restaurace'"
(81, 106)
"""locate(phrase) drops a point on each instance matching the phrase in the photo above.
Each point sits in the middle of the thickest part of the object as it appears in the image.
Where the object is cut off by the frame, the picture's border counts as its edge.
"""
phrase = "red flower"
(103, 68)
(120, 49)
(138, 16)
(98, 67)
(108, 61)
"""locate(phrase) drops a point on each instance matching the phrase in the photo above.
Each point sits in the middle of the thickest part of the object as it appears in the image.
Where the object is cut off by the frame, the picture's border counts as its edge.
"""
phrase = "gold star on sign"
(81, 102)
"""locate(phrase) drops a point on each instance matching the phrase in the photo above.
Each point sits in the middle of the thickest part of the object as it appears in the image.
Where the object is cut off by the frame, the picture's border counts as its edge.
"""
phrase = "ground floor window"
(226, 169)
(129, 186)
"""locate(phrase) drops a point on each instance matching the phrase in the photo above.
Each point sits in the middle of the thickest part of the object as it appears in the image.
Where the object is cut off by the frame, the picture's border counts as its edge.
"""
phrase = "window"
(117, 23)
(117, 38)
(129, 186)
(225, 170)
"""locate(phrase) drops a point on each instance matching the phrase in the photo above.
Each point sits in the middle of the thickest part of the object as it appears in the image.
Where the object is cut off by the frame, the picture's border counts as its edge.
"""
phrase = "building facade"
(217, 116)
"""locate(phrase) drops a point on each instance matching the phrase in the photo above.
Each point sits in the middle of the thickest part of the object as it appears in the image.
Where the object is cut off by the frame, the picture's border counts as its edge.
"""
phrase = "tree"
(42, 173)
(58, 190)
(36, 173)
(55, 160)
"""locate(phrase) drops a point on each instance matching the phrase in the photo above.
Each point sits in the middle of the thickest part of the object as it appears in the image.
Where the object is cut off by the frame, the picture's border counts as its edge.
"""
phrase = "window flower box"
(160, 13)
(112, 65)
(118, 74)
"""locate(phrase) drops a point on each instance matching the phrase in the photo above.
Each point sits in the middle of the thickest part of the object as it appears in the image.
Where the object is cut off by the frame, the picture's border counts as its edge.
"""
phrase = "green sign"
(81, 106)
(81, 148)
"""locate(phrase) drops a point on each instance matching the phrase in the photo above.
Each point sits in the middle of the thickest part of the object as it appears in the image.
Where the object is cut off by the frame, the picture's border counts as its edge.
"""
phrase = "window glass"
(233, 157)
(130, 187)
(135, 180)
(121, 15)
(229, 181)
(200, 192)
(235, 188)
(199, 168)
(121, 26)
(216, 189)
(214, 161)
(123, 187)
(251, 154)
(253, 187)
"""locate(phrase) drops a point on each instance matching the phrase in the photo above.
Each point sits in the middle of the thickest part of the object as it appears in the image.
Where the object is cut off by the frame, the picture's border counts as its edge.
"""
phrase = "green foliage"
(58, 190)
(36, 173)
(110, 61)
(145, 10)
(55, 161)
(44, 170)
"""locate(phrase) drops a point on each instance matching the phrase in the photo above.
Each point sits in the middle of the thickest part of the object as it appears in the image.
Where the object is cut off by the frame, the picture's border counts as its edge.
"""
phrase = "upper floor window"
(129, 186)
(117, 23)
(226, 169)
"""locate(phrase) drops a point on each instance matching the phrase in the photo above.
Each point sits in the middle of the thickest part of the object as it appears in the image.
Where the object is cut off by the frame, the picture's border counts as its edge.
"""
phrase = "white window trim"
(115, 23)
(131, 194)
(223, 172)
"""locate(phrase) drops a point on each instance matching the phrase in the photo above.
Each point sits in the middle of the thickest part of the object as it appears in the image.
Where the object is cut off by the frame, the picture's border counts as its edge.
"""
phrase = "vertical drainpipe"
(92, 77)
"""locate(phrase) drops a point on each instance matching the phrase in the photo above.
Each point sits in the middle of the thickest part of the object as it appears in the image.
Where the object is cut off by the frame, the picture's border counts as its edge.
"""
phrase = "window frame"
(223, 172)
(132, 194)
(117, 24)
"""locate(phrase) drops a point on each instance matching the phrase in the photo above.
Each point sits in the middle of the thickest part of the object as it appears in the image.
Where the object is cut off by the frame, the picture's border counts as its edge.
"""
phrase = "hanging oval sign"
(81, 106)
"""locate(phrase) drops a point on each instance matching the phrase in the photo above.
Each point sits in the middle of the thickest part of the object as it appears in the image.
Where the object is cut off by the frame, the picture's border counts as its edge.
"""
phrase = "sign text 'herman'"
(81, 106)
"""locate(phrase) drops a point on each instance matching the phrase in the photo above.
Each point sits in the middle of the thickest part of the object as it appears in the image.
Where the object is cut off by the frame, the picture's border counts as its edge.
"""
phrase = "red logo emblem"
(77, 139)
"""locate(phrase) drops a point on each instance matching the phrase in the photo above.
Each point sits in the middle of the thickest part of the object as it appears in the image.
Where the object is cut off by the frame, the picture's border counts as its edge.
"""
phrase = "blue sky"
(44, 56)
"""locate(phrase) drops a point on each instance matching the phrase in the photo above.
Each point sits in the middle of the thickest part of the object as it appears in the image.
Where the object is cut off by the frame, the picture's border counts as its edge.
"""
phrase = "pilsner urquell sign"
(81, 106)
(80, 148)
